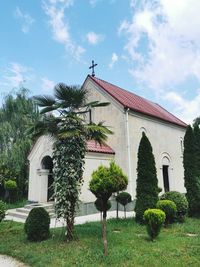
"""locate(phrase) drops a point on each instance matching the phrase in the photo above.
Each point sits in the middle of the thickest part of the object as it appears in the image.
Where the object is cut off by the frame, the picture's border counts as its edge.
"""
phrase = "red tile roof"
(93, 146)
(137, 103)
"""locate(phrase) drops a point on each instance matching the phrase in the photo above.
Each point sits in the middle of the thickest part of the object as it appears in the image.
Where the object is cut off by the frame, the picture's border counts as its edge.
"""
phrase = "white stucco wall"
(37, 188)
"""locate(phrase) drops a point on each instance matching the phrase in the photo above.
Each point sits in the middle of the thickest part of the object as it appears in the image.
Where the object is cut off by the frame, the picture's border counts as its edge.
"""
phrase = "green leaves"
(44, 101)
(108, 180)
(18, 112)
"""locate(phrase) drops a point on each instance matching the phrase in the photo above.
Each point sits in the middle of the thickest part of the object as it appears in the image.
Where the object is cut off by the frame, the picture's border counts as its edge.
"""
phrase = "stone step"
(22, 213)
(27, 210)
(17, 214)
(47, 206)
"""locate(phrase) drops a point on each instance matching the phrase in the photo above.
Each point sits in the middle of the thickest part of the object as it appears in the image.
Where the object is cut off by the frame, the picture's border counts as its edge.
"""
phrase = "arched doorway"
(47, 164)
(165, 172)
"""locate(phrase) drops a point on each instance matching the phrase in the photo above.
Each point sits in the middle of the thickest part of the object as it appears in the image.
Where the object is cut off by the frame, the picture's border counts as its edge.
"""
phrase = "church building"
(128, 115)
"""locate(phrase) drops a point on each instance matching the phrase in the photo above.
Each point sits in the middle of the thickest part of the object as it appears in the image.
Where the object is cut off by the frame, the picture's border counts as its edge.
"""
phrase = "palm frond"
(72, 97)
(69, 133)
(44, 101)
(95, 104)
(97, 132)
(47, 125)
(48, 109)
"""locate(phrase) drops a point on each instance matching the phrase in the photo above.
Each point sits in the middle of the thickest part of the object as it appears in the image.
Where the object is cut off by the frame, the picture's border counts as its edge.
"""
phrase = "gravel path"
(6, 261)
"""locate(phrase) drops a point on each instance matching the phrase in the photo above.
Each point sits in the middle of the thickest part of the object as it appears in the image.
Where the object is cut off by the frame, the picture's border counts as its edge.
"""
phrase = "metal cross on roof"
(92, 67)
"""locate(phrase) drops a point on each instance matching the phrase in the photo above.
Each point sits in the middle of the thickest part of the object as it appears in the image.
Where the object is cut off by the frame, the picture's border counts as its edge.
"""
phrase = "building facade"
(128, 115)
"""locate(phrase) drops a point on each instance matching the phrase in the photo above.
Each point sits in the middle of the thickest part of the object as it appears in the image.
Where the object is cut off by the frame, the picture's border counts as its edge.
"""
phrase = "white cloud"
(114, 59)
(185, 109)
(25, 18)
(170, 33)
(16, 75)
(67, 3)
(94, 2)
(47, 85)
(163, 44)
(94, 38)
(55, 10)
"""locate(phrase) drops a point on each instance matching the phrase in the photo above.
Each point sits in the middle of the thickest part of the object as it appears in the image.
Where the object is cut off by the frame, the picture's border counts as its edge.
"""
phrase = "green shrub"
(154, 219)
(181, 204)
(147, 182)
(123, 198)
(100, 206)
(169, 208)
(37, 225)
(2, 210)
(11, 188)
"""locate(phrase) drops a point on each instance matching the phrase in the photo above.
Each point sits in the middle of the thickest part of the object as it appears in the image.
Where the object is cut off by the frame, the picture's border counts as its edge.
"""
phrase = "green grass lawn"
(128, 246)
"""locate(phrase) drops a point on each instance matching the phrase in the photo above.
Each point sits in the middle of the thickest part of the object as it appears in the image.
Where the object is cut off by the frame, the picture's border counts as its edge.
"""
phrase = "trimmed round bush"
(2, 210)
(123, 198)
(37, 225)
(99, 205)
(154, 219)
(169, 208)
(181, 204)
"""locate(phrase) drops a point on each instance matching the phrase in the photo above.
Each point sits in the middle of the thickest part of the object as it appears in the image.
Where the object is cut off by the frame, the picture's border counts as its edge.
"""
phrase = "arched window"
(47, 163)
(165, 172)
(182, 145)
(143, 130)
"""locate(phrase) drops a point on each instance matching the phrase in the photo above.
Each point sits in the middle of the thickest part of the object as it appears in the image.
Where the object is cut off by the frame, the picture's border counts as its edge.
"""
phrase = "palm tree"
(68, 125)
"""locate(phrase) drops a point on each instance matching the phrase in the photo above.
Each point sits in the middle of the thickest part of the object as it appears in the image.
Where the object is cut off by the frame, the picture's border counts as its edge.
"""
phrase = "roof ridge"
(122, 89)
(137, 103)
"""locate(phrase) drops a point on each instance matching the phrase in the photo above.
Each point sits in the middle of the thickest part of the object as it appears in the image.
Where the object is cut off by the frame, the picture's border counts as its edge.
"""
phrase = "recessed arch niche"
(47, 164)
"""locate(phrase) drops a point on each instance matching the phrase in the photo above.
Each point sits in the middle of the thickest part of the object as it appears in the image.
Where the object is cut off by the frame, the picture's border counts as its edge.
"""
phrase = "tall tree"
(147, 182)
(16, 114)
(71, 132)
(197, 147)
(191, 173)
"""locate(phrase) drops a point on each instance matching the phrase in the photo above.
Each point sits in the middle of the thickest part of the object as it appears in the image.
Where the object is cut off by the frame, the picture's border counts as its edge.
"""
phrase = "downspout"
(130, 182)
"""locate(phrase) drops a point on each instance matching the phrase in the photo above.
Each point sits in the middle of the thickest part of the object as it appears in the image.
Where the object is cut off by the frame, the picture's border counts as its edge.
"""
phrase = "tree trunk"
(69, 228)
(125, 211)
(117, 210)
(105, 242)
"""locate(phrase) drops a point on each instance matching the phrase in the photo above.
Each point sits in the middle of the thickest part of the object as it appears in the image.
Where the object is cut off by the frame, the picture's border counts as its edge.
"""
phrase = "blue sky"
(150, 47)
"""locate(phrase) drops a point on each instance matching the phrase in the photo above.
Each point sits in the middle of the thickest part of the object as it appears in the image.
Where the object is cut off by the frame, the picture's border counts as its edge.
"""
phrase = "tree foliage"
(123, 198)
(68, 125)
(192, 170)
(147, 182)
(106, 181)
(18, 111)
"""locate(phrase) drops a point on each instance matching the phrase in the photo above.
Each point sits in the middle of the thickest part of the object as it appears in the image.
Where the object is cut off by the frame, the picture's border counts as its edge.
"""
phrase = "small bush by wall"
(181, 204)
(11, 189)
(37, 225)
(2, 210)
(123, 198)
(169, 208)
(154, 219)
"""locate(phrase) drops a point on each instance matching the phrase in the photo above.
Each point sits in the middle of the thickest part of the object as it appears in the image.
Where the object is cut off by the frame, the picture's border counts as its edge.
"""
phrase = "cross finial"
(92, 67)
